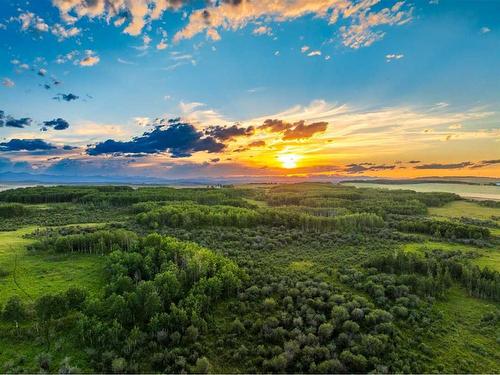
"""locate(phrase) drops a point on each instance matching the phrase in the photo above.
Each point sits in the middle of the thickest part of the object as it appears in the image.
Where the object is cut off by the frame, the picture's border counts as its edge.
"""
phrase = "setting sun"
(289, 161)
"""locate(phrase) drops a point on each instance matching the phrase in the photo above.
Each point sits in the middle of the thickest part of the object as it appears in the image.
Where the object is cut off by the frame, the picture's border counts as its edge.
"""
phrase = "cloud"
(485, 30)
(393, 56)
(66, 97)
(445, 166)
(367, 167)
(275, 126)
(90, 59)
(11, 122)
(162, 45)
(25, 145)
(361, 17)
(257, 144)
(177, 138)
(42, 72)
(213, 34)
(7, 165)
(304, 49)
(7, 82)
(136, 14)
(56, 124)
(314, 53)
(30, 21)
(262, 30)
(64, 33)
(486, 163)
(224, 133)
(301, 130)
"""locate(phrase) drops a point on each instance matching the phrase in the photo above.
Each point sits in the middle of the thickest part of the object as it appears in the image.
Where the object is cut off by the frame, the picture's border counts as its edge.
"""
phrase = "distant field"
(38, 274)
(469, 209)
(487, 257)
(464, 190)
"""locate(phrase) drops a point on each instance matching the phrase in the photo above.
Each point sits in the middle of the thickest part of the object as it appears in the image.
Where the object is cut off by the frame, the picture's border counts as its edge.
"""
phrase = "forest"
(256, 278)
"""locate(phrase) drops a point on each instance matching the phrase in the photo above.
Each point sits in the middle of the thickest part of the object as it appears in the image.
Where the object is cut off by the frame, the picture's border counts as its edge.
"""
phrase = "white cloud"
(126, 62)
(360, 31)
(393, 56)
(142, 121)
(314, 53)
(62, 33)
(7, 82)
(361, 17)
(485, 30)
(304, 49)
(30, 21)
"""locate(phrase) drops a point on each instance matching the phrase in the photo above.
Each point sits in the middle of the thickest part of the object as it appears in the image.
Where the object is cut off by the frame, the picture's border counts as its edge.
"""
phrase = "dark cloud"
(297, 130)
(223, 133)
(68, 148)
(56, 124)
(11, 122)
(215, 160)
(66, 97)
(414, 161)
(301, 130)
(445, 166)
(257, 144)
(177, 138)
(275, 126)
(42, 72)
(26, 145)
(7, 165)
(486, 163)
(367, 167)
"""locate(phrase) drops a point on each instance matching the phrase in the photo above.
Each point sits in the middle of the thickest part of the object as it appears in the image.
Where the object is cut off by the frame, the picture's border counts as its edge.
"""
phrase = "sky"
(182, 89)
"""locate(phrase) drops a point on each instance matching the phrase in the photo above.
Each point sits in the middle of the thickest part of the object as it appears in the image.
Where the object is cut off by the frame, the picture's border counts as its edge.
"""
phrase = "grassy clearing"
(487, 257)
(466, 344)
(41, 273)
(464, 208)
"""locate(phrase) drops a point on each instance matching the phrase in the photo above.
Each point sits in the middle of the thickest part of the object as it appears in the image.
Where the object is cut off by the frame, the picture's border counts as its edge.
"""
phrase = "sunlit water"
(464, 190)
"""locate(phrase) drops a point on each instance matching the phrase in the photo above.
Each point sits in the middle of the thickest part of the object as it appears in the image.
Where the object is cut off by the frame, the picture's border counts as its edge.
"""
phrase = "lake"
(489, 192)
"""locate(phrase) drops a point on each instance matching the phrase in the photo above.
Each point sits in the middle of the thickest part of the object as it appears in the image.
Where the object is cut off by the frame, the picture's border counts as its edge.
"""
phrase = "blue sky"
(428, 69)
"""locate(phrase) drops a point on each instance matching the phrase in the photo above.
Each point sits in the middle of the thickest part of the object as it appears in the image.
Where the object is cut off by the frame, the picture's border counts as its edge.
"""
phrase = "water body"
(484, 192)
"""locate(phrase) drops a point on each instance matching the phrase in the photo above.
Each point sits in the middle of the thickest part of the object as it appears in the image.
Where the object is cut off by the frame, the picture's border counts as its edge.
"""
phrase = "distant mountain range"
(30, 178)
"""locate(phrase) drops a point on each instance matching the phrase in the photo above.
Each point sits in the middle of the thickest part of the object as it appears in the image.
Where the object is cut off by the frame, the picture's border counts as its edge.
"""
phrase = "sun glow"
(289, 161)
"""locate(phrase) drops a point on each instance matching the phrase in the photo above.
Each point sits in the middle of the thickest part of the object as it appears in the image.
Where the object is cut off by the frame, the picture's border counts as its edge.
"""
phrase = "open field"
(486, 257)
(464, 190)
(459, 209)
(31, 275)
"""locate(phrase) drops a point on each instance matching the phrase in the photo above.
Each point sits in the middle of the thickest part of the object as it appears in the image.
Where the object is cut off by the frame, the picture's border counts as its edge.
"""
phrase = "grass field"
(40, 273)
(464, 208)
(487, 257)
(464, 190)
(467, 344)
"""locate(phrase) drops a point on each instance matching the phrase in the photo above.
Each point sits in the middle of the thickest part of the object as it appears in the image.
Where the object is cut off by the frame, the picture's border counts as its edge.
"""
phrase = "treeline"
(443, 228)
(442, 268)
(96, 242)
(191, 216)
(124, 195)
(11, 210)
